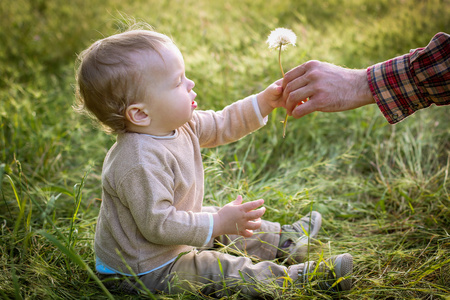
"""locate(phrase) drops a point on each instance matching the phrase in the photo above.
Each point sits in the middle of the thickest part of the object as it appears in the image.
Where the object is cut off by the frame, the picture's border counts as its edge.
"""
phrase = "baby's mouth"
(193, 103)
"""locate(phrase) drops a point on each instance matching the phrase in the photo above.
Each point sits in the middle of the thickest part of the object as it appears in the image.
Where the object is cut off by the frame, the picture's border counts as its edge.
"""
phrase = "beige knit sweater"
(153, 189)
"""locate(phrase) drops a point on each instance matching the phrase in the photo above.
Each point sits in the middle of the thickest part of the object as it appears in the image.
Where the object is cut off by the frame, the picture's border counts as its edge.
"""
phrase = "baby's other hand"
(238, 218)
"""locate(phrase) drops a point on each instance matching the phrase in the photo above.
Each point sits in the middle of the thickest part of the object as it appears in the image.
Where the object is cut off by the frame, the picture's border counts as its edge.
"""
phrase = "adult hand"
(238, 218)
(329, 88)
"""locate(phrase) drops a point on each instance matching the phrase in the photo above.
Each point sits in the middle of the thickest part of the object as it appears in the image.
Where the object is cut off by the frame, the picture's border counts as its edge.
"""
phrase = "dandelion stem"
(282, 73)
(279, 59)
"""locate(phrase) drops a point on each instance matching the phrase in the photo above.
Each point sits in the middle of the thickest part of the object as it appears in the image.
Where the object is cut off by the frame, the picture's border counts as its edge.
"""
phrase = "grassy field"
(383, 190)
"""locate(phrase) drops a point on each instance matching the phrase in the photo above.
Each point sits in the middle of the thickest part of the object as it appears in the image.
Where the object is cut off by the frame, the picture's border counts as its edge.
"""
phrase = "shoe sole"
(343, 266)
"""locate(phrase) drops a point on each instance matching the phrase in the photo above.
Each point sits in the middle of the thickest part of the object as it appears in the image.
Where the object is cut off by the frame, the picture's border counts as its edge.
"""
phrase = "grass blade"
(13, 186)
(73, 256)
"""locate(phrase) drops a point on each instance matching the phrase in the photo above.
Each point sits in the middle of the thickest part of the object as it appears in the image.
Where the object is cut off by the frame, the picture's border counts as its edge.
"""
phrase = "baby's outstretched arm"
(238, 218)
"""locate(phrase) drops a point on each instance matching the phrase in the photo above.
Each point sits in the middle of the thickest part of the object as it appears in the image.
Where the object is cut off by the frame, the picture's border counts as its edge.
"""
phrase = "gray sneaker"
(332, 275)
(293, 246)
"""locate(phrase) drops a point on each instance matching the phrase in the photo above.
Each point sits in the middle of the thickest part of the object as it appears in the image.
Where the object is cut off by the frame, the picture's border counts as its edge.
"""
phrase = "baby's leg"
(218, 274)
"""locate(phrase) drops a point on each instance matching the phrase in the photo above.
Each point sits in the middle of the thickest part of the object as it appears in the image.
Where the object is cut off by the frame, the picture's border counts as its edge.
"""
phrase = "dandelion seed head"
(281, 37)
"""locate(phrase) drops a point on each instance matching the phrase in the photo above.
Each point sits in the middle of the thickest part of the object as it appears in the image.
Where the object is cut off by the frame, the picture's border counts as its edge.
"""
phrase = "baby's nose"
(191, 84)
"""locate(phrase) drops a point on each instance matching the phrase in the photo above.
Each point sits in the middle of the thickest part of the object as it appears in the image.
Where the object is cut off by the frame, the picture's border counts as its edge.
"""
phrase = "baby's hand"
(238, 218)
(271, 98)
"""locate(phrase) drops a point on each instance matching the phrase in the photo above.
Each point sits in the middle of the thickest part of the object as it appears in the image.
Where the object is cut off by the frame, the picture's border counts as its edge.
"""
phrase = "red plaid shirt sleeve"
(405, 84)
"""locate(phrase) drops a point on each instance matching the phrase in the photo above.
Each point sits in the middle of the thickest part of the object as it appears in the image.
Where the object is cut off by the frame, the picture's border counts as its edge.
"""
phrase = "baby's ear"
(137, 115)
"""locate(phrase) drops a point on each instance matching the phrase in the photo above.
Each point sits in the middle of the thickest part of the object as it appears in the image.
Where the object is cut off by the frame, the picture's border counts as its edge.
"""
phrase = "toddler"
(153, 231)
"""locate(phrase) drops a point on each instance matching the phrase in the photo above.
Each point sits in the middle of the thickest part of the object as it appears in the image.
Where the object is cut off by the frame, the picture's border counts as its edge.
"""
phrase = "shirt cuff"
(394, 89)
(262, 121)
(211, 228)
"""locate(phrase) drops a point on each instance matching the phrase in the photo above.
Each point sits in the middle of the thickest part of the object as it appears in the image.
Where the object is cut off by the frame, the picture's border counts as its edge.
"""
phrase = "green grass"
(383, 190)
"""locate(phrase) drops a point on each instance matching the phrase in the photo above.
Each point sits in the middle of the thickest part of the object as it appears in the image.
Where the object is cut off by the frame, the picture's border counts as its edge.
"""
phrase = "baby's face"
(171, 99)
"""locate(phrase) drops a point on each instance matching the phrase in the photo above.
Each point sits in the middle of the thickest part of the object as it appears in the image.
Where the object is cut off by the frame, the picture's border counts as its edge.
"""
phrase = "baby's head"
(117, 73)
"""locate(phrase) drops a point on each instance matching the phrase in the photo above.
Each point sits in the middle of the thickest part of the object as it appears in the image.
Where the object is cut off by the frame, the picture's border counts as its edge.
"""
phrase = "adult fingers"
(304, 109)
(296, 83)
(293, 74)
(296, 91)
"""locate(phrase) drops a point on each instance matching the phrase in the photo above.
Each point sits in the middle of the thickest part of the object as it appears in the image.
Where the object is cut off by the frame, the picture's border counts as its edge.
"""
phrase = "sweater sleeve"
(149, 195)
(228, 125)
(413, 81)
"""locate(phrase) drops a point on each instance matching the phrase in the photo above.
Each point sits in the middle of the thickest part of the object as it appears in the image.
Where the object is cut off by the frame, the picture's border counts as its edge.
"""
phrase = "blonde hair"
(108, 78)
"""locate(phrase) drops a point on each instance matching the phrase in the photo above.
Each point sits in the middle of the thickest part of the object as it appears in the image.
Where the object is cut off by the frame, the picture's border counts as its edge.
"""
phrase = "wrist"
(264, 107)
(359, 93)
(363, 89)
(217, 225)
